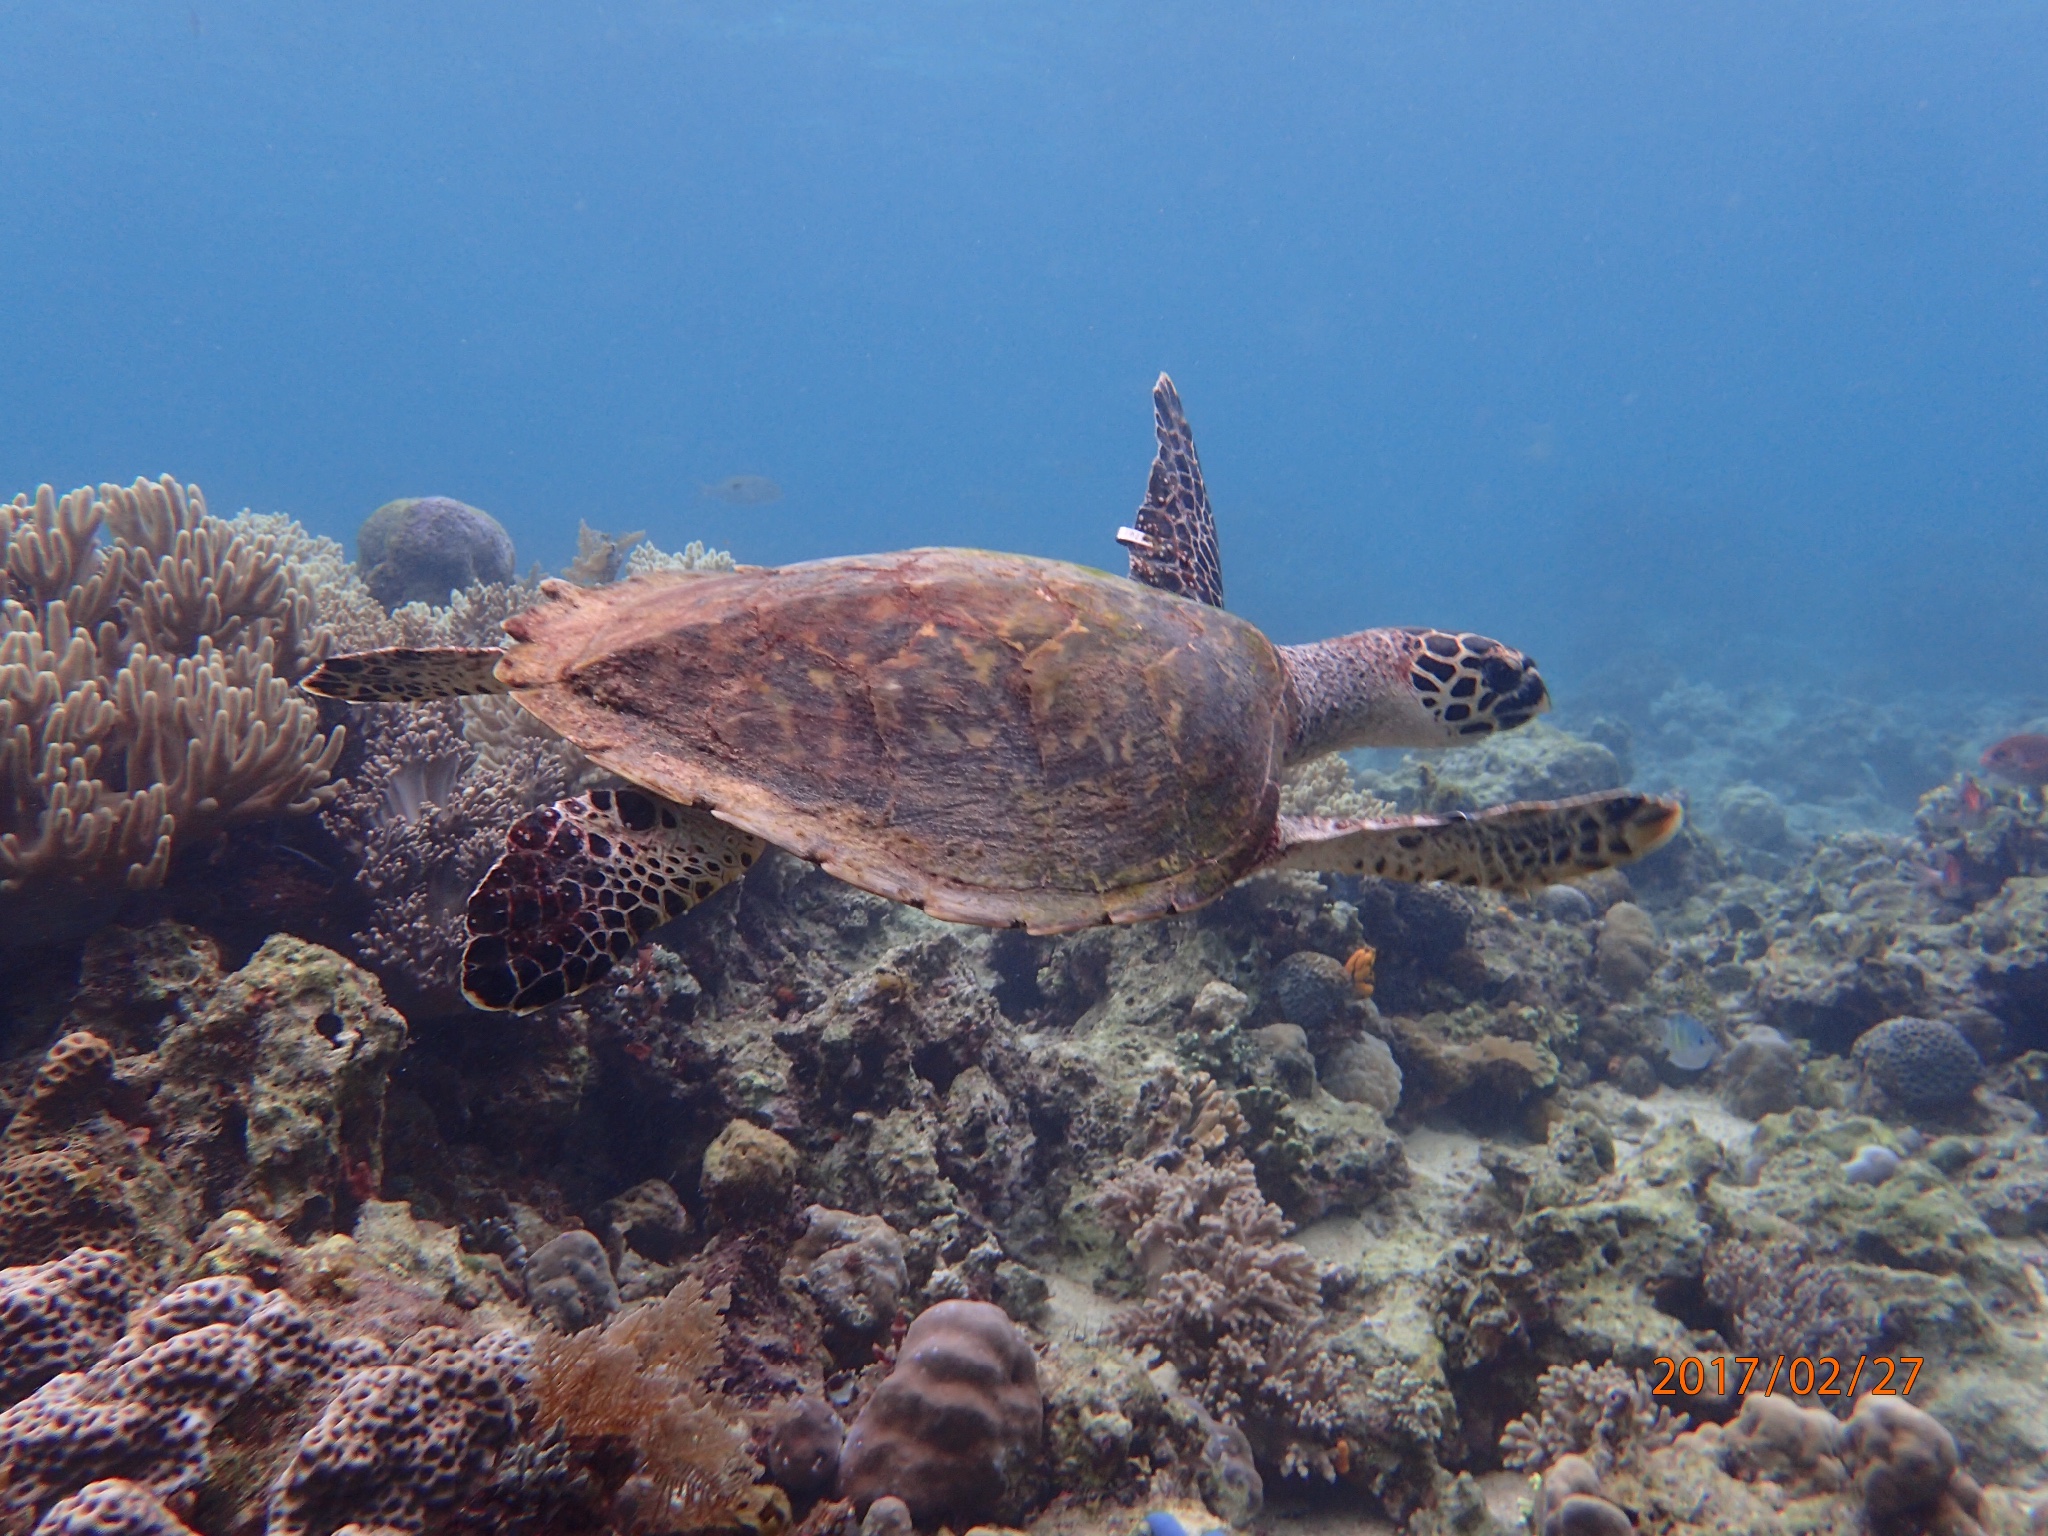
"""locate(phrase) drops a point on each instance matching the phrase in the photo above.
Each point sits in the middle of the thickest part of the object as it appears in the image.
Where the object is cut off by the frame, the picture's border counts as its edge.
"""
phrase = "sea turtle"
(998, 739)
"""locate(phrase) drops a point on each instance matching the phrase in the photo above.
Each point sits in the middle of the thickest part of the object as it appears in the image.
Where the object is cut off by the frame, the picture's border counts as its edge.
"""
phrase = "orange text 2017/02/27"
(1794, 1375)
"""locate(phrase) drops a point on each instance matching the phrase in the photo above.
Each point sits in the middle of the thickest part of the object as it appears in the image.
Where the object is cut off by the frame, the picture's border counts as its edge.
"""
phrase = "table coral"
(147, 655)
(954, 1424)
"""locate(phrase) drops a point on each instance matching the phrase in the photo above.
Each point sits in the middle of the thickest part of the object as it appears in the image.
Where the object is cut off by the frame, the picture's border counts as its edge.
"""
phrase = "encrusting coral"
(147, 655)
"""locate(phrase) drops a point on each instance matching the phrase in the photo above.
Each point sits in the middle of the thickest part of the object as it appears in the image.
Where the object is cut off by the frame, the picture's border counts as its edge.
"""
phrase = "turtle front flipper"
(1508, 848)
(1173, 547)
(580, 883)
(403, 674)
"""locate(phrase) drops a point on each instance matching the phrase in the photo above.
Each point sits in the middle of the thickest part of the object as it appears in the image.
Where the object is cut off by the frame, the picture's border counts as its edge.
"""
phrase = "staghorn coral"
(1779, 1302)
(692, 557)
(1228, 1300)
(147, 655)
(1601, 1412)
(639, 1382)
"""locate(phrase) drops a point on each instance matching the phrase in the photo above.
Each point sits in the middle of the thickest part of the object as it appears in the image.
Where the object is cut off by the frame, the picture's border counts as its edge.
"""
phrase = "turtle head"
(1407, 688)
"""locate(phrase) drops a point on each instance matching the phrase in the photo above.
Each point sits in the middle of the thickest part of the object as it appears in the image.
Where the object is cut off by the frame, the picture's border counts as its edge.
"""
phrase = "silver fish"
(744, 490)
(1688, 1044)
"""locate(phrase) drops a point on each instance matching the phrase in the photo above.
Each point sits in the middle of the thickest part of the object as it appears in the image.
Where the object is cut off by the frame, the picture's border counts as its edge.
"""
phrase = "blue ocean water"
(1715, 331)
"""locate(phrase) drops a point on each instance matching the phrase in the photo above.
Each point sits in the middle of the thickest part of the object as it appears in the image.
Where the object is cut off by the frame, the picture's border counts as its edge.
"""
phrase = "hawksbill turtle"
(995, 738)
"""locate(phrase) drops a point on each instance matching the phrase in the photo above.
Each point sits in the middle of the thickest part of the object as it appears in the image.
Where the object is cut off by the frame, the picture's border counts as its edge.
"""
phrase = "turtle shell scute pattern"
(1474, 685)
(580, 883)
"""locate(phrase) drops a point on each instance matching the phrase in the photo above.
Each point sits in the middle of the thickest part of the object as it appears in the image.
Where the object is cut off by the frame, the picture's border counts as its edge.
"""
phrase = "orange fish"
(2021, 759)
(1975, 801)
(1359, 969)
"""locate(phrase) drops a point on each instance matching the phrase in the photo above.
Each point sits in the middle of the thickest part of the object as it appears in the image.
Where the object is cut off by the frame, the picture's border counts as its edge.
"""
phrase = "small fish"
(744, 490)
(2021, 759)
(1688, 1044)
(1974, 800)
(1943, 880)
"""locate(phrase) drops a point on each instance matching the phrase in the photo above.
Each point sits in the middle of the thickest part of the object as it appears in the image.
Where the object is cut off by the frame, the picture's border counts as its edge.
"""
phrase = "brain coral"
(419, 549)
(1919, 1063)
(954, 1422)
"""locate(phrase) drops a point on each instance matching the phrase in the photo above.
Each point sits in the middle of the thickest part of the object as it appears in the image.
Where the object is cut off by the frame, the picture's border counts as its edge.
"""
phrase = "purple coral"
(59, 1316)
(954, 1423)
(401, 1440)
(424, 814)
(111, 1507)
(1231, 1302)
(1919, 1063)
(420, 549)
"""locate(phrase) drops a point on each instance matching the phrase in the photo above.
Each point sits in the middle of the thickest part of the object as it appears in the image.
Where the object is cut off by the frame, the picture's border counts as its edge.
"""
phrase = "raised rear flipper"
(1508, 848)
(1173, 547)
(580, 883)
(403, 674)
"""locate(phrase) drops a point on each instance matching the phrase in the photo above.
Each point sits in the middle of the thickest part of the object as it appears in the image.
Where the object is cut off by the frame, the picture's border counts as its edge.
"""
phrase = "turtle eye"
(1503, 674)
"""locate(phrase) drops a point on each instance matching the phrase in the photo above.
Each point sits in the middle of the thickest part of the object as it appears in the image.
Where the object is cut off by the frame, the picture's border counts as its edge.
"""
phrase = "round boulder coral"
(954, 1423)
(1309, 989)
(420, 549)
(1919, 1063)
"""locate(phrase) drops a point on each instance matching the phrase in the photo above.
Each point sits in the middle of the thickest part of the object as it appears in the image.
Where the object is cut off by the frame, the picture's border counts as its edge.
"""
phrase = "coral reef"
(1920, 1063)
(147, 655)
(953, 1424)
(420, 549)
(1232, 1303)
(639, 1383)
(1603, 1413)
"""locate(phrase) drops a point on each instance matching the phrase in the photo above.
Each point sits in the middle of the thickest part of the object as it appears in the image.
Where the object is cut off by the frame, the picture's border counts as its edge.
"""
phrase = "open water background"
(1715, 332)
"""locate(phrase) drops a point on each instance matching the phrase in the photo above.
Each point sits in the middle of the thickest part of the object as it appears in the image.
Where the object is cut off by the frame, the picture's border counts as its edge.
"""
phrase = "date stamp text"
(1794, 1375)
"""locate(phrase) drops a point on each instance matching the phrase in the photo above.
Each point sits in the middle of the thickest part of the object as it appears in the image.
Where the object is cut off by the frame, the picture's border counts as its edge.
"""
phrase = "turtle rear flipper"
(1173, 547)
(403, 674)
(580, 883)
(1508, 848)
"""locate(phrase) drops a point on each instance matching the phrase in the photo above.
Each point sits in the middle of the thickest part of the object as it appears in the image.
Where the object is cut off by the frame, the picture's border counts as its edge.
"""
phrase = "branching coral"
(1234, 1305)
(1602, 1412)
(1779, 1302)
(640, 1381)
(147, 655)
(424, 814)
